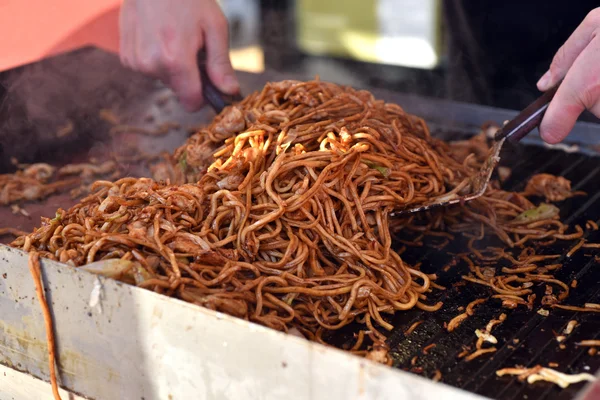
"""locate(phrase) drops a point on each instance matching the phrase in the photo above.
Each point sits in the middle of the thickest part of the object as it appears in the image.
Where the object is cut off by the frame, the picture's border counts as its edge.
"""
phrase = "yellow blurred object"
(248, 59)
(397, 32)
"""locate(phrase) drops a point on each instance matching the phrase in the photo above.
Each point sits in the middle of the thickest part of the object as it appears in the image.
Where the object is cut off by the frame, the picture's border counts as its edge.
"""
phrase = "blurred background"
(481, 52)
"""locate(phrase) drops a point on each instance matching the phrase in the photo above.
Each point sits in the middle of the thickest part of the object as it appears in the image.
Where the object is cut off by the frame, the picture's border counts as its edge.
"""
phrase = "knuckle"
(172, 65)
(220, 59)
(146, 68)
(557, 61)
(590, 94)
(148, 64)
(219, 23)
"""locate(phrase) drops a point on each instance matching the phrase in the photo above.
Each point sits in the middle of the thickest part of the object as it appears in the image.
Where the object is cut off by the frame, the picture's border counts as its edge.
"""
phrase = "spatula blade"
(477, 184)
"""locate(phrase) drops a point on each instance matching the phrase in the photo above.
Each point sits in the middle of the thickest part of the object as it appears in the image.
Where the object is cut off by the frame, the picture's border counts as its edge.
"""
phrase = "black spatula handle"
(213, 96)
(529, 119)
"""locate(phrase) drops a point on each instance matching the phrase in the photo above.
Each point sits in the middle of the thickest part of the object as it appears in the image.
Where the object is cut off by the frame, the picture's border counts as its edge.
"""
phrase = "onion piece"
(539, 373)
(486, 336)
(121, 270)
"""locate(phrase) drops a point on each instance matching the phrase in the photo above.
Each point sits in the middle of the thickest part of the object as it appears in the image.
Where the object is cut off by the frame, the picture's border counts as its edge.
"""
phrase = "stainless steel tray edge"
(136, 344)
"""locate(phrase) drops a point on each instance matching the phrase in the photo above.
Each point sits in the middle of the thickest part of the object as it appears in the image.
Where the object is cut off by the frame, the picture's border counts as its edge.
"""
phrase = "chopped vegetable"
(383, 170)
(183, 161)
(543, 211)
(289, 298)
(57, 217)
(123, 270)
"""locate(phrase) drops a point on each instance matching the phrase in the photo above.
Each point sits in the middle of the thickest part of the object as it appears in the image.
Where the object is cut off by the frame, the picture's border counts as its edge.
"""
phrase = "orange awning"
(34, 29)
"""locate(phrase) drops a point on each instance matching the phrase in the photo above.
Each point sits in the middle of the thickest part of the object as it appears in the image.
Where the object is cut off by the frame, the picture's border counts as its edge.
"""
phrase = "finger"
(580, 90)
(184, 78)
(567, 54)
(148, 57)
(126, 33)
(218, 64)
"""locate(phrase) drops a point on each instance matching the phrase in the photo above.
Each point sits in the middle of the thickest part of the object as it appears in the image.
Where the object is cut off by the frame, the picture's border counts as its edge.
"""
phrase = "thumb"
(579, 90)
(562, 114)
(218, 64)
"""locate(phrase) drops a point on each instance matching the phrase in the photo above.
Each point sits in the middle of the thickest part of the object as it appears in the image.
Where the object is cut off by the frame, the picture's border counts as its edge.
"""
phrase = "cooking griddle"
(525, 338)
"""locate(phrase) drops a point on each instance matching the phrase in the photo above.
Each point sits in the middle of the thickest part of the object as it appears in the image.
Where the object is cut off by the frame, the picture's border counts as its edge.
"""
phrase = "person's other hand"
(161, 39)
(578, 62)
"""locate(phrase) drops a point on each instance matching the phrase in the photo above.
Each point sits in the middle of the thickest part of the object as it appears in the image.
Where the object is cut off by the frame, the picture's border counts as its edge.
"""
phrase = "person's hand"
(578, 62)
(162, 38)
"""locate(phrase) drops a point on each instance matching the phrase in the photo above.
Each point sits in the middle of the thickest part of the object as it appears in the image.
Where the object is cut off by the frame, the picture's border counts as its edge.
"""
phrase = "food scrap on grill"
(38, 181)
(539, 373)
(12, 231)
(160, 130)
(588, 307)
(570, 326)
(485, 335)
(32, 183)
(553, 188)
(456, 321)
(589, 343)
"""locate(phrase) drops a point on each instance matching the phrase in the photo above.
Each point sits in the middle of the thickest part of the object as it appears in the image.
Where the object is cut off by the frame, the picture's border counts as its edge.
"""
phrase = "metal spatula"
(513, 131)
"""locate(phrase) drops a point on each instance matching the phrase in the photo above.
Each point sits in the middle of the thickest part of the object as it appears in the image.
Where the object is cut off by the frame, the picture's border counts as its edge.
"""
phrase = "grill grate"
(525, 338)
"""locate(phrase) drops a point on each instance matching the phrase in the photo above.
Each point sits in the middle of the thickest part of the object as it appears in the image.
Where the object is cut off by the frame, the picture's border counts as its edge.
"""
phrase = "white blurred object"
(244, 29)
(243, 17)
(396, 32)
(409, 32)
